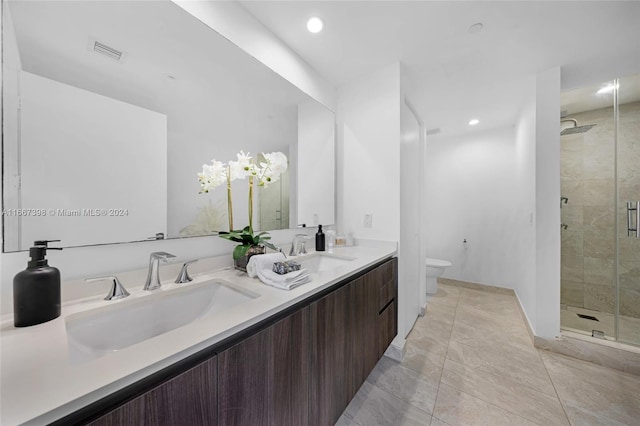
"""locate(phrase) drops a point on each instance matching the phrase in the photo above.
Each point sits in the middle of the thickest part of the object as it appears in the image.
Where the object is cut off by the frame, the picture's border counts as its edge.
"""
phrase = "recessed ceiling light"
(607, 89)
(315, 24)
(474, 122)
(476, 28)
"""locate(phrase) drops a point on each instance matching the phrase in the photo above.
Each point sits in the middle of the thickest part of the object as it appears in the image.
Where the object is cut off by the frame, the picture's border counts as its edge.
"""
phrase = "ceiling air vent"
(104, 50)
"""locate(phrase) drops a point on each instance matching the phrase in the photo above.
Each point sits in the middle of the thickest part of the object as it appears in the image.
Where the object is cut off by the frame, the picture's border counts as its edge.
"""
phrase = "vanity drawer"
(388, 271)
(387, 328)
(387, 294)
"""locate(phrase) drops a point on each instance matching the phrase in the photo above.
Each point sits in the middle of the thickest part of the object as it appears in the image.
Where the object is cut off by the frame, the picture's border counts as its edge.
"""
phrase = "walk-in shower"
(600, 189)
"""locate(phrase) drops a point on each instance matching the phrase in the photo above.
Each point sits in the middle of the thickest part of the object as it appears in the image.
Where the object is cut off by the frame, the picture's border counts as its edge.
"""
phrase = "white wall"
(525, 286)
(471, 182)
(547, 171)
(241, 28)
(410, 259)
(368, 159)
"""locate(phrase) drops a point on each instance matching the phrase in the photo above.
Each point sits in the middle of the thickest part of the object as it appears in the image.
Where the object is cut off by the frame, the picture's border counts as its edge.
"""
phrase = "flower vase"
(241, 263)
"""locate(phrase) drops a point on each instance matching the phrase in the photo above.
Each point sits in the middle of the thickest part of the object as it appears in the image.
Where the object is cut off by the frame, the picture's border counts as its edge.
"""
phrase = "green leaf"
(231, 237)
(271, 246)
(240, 251)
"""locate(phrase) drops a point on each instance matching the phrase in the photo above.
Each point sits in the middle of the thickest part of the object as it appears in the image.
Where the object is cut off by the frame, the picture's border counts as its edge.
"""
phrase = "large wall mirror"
(111, 108)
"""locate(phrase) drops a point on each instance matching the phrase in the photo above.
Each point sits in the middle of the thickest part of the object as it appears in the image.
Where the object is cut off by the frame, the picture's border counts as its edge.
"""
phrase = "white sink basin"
(318, 262)
(94, 333)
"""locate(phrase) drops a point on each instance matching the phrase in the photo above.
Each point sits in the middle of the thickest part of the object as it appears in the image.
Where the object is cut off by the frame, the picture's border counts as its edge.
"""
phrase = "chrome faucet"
(298, 240)
(117, 289)
(153, 278)
(183, 276)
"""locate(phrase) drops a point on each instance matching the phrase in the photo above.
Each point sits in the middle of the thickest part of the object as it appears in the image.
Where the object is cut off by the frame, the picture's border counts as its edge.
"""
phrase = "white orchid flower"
(242, 167)
(212, 175)
(275, 164)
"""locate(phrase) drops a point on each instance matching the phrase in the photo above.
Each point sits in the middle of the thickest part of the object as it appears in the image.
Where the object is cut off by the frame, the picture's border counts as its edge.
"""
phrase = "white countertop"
(40, 383)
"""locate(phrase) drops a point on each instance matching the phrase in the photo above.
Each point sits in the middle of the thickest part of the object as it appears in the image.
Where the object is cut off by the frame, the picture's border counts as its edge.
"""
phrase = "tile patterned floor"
(469, 361)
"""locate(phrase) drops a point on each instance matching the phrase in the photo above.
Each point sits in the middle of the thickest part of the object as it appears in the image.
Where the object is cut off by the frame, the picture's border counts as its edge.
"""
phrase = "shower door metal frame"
(616, 264)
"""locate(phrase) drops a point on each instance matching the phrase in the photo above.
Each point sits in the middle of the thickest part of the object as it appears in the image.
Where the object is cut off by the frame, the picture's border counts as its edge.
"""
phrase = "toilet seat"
(437, 263)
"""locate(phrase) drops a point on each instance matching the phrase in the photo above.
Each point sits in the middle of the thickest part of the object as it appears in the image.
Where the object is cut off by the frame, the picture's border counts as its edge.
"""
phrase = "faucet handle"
(281, 251)
(161, 255)
(117, 289)
(183, 276)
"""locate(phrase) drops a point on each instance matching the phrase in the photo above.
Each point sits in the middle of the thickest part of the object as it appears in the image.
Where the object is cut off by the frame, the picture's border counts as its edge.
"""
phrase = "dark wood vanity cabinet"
(349, 334)
(331, 347)
(302, 368)
(264, 379)
(187, 399)
(387, 279)
(364, 293)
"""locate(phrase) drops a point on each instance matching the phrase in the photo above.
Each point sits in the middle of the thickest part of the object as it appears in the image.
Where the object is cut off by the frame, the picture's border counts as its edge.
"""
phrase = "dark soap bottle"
(320, 239)
(36, 290)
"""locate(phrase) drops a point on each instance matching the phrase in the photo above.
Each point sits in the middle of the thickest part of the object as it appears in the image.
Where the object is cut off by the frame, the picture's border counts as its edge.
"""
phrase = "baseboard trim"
(525, 318)
(423, 310)
(476, 286)
(396, 349)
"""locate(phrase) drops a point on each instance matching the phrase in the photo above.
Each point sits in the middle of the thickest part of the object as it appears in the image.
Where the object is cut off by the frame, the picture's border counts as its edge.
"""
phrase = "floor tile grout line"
(529, 345)
(455, 313)
(400, 399)
(461, 301)
(495, 375)
(494, 405)
(505, 377)
(554, 387)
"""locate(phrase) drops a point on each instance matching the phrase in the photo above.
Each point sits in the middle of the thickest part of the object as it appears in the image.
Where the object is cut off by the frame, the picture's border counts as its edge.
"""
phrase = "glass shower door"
(628, 207)
(588, 281)
(600, 234)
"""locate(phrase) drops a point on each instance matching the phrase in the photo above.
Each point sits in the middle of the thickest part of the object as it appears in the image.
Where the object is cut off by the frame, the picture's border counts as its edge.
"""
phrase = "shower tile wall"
(588, 181)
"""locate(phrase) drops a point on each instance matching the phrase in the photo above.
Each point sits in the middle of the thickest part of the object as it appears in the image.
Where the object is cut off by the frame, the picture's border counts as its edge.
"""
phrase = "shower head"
(575, 128)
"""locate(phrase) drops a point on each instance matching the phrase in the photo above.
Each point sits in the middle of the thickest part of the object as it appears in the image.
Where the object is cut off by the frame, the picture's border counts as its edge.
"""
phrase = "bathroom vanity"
(277, 358)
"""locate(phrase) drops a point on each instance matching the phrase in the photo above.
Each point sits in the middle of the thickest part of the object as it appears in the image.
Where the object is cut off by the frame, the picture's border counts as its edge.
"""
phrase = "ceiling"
(454, 74)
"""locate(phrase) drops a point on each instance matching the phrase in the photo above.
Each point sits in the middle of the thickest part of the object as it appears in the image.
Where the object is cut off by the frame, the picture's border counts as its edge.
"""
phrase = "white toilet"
(435, 268)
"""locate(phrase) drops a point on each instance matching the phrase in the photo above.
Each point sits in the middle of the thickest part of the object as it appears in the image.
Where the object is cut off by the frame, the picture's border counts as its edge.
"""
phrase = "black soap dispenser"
(36, 290)
(320, 239)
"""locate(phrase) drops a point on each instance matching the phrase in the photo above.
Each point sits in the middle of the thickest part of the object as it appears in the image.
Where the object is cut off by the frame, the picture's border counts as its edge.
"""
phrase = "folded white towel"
(286, 281)
(262, 261)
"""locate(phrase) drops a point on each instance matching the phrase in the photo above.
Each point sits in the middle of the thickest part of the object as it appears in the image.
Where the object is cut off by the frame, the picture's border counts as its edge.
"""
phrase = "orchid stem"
(229, 202)
(251, 204)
